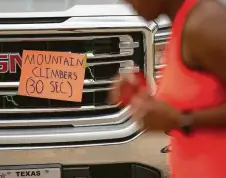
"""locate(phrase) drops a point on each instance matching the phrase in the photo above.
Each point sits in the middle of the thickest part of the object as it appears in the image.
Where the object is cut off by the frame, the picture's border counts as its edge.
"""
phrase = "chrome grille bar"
(48, 110)
(163, 36)
(99, 56)
(29, 135)
(87, 82)
(115, 118)
(84, 91)
(158, 76)
(160, 66)
(121, 37)
(128, 63)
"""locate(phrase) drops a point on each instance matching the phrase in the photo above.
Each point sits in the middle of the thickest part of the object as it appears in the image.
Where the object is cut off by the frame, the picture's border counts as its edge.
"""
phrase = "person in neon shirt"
(191, 101)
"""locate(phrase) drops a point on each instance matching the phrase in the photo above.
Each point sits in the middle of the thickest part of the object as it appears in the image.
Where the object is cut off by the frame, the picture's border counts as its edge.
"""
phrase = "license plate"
(31, 171)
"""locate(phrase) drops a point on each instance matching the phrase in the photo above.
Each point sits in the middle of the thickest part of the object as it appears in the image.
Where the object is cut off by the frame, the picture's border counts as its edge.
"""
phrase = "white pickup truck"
(89, 139)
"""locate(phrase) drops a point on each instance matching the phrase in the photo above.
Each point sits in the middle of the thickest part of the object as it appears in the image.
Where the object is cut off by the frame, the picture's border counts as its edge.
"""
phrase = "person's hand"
(115, 95)
(154, 115)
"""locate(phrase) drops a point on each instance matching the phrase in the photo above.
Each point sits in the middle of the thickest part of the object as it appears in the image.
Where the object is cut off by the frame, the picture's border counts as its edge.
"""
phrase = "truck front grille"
(107, 53)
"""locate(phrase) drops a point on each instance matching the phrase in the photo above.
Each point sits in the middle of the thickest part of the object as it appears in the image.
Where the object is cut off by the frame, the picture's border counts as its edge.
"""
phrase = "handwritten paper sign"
(53, 75)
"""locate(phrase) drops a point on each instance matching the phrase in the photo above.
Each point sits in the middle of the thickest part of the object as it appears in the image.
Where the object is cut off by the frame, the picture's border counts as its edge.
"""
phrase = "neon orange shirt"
(203, 153)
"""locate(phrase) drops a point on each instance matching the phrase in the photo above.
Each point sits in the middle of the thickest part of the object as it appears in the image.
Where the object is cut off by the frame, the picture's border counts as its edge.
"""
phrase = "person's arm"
(206, 41)
(210, 117)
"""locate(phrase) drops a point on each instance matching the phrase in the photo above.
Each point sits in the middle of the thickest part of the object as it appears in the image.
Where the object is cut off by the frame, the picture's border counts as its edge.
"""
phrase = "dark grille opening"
(106, 71)
(109, 45)
(92, 98)
(101, 46)
(57, 115)
(97, 46)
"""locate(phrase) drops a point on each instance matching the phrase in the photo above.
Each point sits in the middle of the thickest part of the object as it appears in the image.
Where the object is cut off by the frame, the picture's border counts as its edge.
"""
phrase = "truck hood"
(64, 8)
(69, 8)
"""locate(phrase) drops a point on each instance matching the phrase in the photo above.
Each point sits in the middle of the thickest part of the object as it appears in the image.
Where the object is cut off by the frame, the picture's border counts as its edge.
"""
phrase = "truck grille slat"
(128, 63)
(87, 82)
(84, 91)
(160, 66)
(65, 38)
(47, 110)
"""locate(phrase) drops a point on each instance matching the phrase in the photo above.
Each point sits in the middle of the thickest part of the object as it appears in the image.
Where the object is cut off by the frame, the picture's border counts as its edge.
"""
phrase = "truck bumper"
(145, 150)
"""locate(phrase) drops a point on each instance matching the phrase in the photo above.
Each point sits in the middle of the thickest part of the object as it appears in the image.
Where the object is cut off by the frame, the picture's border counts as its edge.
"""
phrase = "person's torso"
(199, 154)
